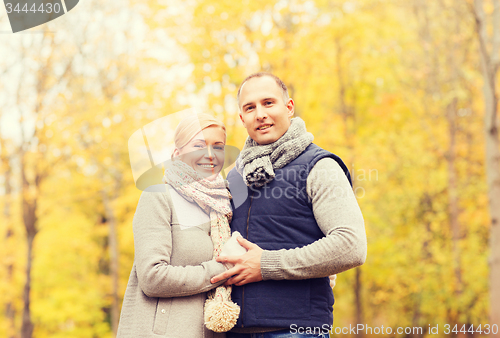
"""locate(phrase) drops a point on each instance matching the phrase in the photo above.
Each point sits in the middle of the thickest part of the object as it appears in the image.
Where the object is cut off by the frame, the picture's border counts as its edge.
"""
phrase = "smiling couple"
(189, 279)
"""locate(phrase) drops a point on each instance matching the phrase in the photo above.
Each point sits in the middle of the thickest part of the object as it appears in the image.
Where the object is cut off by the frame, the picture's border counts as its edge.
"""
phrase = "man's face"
(263, 112)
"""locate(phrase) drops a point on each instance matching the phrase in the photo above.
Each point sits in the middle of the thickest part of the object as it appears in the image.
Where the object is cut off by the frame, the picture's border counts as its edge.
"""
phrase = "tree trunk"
(114, 263)
(453, 209)
(490, 69)
(358, 298)
(9, 306)
(415, 321)
(453, 206)
(29, 205)
(493, 177)
(348, 117)
(34, 171)
(27, 325)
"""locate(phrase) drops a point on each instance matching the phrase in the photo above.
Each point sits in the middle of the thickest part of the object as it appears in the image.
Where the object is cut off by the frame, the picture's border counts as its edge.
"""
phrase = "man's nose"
(260, 112)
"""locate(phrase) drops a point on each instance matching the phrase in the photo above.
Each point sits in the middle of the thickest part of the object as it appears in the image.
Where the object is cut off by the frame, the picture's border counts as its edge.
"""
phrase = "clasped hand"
(246, 267)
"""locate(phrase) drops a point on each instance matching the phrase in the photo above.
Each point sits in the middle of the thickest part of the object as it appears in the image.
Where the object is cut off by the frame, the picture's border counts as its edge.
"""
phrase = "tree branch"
(495, 50)
(489, 70)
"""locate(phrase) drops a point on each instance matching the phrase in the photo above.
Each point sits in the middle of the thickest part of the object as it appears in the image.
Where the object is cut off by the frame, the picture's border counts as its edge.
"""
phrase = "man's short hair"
(262, 74)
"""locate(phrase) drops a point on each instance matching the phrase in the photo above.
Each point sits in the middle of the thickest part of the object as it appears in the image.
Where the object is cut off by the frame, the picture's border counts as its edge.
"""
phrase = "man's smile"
(264, 126)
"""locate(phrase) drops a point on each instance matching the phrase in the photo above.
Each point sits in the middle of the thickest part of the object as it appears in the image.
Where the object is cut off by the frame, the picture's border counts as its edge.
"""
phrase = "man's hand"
(246, 267)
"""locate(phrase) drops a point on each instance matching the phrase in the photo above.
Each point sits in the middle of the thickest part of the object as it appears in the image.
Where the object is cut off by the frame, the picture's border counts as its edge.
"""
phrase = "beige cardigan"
(172, 268)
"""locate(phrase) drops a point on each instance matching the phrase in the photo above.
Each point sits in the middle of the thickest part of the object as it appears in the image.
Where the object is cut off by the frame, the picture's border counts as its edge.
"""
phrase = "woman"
(178, 228)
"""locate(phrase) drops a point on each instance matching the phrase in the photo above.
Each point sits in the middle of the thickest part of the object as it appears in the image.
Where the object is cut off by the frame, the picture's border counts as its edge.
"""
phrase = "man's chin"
(262, 141)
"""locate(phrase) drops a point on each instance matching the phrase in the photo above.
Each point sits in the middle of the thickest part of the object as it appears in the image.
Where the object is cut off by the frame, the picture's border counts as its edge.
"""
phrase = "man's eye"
(267, 103)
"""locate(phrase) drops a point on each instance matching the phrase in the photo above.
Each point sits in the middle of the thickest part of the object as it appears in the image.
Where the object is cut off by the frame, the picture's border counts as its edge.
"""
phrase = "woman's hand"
(232, 248)
(246, 267)
(333, 279)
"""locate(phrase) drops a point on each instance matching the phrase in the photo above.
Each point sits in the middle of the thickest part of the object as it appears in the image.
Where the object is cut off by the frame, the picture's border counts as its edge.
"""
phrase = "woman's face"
(205, 152)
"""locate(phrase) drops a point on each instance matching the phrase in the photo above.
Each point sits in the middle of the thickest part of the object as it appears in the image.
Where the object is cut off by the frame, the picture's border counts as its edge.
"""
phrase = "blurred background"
(404, 91)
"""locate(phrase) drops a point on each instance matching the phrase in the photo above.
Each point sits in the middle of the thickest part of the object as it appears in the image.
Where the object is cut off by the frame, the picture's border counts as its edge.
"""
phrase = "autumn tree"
(489, 51)
(8, 215)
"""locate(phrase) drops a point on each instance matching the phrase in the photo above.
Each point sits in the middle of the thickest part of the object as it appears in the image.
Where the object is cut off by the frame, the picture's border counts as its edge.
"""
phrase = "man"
(294, 205)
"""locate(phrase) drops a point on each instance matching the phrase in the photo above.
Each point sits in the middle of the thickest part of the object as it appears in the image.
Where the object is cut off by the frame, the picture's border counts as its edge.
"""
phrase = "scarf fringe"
(221, 315)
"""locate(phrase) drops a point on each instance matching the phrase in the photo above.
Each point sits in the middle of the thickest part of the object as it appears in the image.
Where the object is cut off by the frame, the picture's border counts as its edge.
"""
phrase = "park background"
(403, 91)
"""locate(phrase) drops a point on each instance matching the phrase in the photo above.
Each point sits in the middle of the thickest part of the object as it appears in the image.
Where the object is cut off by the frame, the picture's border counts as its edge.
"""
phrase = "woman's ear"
(175, 153)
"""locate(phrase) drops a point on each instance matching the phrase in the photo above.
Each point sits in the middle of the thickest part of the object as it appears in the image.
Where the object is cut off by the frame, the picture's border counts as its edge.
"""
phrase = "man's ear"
(291, 107)
(242, 121)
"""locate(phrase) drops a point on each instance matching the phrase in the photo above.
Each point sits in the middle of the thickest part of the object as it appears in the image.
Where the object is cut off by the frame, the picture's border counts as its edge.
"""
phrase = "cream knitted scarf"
(257, 163)
(213, 197)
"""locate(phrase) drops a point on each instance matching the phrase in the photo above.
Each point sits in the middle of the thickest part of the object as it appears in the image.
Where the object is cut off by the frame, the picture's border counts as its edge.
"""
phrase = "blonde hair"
(192, 125)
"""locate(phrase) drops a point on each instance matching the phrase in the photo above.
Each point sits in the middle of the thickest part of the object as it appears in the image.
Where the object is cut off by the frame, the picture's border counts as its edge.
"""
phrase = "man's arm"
(338, 215)
(339, 218)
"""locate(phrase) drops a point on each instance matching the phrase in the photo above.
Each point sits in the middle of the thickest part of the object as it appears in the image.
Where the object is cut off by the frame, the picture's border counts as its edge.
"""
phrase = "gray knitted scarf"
(257, 163)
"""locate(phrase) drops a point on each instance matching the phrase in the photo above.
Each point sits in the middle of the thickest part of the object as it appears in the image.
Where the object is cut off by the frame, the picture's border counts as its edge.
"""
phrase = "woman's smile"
(205, 152)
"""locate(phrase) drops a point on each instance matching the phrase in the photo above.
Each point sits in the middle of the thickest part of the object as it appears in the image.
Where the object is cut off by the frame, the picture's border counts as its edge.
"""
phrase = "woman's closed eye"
(199, 145)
